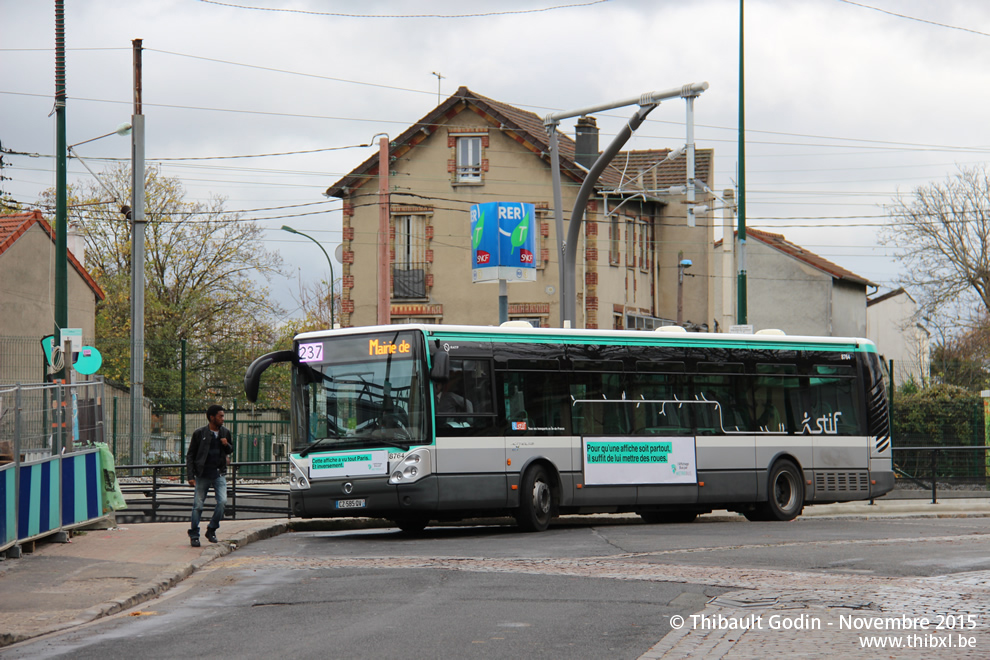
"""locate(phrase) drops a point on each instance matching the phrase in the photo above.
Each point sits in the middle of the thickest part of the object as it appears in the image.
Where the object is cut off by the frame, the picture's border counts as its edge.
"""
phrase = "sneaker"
(211, 537)
(194, 541)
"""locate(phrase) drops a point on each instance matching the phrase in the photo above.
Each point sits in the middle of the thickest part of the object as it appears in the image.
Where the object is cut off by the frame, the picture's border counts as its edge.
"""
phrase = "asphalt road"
(576, 591)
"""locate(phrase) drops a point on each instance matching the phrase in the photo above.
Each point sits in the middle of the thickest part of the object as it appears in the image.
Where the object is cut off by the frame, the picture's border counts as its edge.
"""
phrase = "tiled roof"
(13, 226)
(528, 129)
(887, 296)
(778, 242)
(638, 170)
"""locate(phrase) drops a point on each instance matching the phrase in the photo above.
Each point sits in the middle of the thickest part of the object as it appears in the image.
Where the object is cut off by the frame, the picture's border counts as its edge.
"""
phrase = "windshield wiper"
(392, 443)
(314, 446)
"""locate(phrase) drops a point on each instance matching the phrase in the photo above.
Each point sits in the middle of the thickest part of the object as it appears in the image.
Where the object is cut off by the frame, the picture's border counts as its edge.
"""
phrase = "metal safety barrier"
(163, 494)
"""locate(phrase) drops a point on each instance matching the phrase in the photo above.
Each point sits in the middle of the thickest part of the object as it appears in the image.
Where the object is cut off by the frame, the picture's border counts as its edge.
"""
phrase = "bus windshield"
(360, 392)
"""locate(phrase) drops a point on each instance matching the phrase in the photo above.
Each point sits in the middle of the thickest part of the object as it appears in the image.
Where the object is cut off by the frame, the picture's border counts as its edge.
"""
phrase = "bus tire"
(785, 492)
(667, 517)
(412, 524)
(537, 500)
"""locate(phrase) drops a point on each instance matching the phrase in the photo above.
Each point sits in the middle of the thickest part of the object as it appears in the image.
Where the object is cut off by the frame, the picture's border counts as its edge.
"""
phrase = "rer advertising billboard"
(503, 242)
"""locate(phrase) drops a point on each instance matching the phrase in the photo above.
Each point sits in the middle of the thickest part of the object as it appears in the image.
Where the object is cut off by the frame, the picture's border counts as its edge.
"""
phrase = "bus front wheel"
(537, 500)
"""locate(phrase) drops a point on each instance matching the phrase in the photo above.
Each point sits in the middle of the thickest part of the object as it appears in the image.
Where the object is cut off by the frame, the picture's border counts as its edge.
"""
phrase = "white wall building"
(892, 322)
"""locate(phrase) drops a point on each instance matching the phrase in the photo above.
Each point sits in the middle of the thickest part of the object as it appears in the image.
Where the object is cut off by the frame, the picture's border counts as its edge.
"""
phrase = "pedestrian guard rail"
(163, 494)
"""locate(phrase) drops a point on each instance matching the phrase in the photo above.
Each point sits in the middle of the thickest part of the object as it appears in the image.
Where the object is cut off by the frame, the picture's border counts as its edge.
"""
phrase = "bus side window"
(532, 403)
(600, 406)
(464, 401)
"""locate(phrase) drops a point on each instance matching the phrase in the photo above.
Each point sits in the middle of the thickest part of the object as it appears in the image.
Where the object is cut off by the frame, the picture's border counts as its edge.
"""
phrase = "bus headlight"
(297, 476)
(413, 467)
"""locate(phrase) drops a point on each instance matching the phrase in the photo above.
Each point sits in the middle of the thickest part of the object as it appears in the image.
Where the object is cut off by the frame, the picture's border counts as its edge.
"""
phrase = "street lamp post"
(299, 233)
(682, 265)
(568, 247)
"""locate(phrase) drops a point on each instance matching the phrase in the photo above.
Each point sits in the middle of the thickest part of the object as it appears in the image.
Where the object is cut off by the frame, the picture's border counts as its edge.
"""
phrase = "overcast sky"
(846, 103)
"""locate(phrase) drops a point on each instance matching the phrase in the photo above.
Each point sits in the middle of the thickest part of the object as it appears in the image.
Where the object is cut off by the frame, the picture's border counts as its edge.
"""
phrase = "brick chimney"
(586, 149)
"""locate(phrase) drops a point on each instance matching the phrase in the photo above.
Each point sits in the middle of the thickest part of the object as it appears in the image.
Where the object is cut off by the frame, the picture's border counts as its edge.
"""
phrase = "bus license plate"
(350, 504)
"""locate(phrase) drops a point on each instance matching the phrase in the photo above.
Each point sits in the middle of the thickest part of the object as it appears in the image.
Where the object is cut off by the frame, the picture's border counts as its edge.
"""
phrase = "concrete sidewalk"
(105, 571)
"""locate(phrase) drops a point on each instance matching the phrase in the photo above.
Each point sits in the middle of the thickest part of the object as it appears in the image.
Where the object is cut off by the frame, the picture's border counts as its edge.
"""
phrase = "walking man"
(206, 462)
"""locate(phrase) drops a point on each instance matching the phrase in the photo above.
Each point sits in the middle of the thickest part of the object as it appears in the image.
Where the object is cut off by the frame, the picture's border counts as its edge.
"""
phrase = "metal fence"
(163, 494)
(960, 471)
(43, 420)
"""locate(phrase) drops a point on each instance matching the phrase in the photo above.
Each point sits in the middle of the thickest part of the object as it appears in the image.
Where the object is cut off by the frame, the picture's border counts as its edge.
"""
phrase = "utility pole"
(61, 203)
(137, 262)
(741, 204)
(384, 287)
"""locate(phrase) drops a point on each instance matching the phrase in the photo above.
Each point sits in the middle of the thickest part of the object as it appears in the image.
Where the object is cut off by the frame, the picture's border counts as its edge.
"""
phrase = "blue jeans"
(203, 485)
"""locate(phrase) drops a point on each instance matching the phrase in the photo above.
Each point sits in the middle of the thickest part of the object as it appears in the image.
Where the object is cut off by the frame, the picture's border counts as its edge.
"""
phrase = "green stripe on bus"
(672, 342)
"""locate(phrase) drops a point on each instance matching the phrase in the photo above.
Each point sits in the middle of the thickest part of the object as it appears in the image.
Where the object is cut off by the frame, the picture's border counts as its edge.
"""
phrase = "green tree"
(205, 275)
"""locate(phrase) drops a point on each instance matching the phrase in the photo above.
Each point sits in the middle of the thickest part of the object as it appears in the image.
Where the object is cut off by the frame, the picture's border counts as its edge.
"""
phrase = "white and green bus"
(421, 423)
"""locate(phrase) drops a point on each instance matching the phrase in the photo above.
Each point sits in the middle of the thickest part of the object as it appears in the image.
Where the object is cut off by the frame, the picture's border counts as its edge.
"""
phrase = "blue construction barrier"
(40, 499)
(82, 487)
(54, 494)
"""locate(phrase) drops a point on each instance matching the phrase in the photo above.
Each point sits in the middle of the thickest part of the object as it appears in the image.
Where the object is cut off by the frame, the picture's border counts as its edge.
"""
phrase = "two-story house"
(471, 149)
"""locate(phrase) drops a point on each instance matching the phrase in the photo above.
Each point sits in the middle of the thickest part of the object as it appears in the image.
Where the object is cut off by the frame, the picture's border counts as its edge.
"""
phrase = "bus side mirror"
(252, 378)
(441, 367)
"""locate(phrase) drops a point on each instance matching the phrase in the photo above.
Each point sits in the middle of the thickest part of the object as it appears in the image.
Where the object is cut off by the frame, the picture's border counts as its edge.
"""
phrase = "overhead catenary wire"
(776, 192)
(343, 15)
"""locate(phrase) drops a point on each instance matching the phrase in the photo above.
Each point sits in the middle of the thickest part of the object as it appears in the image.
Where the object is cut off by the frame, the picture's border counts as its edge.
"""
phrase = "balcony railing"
(409, 281)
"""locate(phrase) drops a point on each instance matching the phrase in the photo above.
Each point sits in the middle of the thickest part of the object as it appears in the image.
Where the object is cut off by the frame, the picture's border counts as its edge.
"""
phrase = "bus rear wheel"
(785, 494)
(537, 500)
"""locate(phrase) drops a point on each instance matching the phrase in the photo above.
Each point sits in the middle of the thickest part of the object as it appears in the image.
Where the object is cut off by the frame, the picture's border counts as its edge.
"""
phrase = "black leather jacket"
(199, 449)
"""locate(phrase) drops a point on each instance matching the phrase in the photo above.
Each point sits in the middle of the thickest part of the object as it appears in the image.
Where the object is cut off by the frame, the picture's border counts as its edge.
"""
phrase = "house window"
(409, 268)
(469, 159)
(418, 320)
(641, 322)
